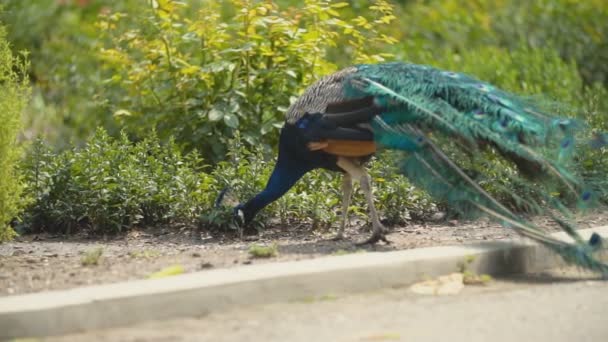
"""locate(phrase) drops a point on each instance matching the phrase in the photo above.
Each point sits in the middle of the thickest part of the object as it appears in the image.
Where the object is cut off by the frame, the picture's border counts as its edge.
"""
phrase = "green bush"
(205, 71)
(109, 185)
(229, 66)
(61, 38)
(14, 94)
(576, 31)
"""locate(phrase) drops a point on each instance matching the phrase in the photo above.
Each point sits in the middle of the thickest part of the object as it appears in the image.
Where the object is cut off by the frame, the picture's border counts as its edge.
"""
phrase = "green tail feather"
(471, 116)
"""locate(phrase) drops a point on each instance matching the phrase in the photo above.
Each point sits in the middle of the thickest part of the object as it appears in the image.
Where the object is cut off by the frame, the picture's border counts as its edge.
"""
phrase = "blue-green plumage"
(425, 111)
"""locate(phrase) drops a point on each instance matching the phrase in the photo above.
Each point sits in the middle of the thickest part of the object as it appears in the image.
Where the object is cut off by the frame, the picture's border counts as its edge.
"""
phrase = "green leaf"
(267, 127)
(231, 120)
(340, 5)
(215, 115)
(122, 112)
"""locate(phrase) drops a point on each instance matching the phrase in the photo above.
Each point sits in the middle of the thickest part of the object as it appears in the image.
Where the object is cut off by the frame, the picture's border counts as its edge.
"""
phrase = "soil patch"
(35, 263)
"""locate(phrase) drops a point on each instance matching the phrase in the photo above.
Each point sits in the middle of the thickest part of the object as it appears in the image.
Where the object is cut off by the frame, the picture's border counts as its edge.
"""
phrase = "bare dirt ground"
(35, 263)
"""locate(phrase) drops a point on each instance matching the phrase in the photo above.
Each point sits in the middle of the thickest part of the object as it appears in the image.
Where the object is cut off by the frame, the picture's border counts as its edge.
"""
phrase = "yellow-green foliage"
(259, 251)
(204, 70)
(91, 258)
(14, 92)
(202, 74)
(575, 30)
(111, 184)
(167, 272)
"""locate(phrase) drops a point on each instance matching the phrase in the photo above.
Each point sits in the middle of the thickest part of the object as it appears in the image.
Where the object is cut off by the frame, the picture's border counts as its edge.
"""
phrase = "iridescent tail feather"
(427, 112)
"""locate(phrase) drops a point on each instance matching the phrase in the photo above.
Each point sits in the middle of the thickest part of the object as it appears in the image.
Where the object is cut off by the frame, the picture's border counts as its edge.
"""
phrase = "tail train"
(427, 111)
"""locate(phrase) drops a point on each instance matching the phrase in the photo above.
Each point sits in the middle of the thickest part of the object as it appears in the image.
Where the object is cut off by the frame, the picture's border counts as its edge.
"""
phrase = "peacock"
(339, 122)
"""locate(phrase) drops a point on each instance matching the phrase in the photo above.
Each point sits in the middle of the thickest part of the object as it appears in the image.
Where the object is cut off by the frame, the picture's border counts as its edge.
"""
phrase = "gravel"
(34, 263)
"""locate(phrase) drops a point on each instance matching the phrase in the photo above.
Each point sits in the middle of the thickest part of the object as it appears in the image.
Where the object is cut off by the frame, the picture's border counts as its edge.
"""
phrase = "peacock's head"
(240, 215)
(226, 201)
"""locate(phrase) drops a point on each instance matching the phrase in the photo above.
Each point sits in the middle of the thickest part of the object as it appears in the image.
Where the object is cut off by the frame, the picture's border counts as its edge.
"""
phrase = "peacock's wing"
(434, 114)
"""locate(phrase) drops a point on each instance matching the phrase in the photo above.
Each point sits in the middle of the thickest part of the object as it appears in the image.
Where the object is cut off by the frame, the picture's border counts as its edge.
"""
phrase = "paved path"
(530, 309)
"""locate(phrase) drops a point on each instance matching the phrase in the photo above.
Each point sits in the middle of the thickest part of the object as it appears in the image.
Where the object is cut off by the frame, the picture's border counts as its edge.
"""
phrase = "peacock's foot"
(377, 236)
(338, 237)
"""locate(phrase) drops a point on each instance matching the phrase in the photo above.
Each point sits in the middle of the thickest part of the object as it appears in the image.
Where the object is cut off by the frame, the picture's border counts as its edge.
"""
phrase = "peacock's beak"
(239, 215)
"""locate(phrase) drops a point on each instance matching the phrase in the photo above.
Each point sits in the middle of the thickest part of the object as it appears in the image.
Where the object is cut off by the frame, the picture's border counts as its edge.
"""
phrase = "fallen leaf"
(450, 284)
(167, 272)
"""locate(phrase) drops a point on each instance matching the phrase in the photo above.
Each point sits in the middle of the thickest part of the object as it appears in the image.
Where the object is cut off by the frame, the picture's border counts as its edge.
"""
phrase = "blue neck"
(287, 171)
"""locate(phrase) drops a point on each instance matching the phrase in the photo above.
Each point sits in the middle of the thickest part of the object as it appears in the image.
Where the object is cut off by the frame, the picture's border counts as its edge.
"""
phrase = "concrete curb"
(195, 294)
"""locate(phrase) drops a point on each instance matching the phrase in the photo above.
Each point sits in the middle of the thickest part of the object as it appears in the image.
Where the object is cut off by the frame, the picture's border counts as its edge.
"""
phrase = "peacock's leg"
(347, 190)
(378, 228)
(358, 172)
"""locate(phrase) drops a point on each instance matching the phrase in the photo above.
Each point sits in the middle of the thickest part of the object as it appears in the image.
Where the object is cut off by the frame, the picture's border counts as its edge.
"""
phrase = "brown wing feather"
(350, 148)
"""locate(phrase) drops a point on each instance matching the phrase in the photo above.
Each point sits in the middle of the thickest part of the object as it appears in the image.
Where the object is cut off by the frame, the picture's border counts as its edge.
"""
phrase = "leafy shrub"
(202, 72)
(575, 30)
(14, 94)
(232, 66)
(109, 185)
(61, 38)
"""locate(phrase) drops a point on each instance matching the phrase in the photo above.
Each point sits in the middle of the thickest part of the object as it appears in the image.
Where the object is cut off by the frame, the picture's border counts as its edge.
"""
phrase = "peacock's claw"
(376, 237)
(338, 237)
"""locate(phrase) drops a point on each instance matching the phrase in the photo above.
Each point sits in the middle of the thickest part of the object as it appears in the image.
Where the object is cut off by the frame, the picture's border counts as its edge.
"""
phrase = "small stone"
(247, 262)
(196, 255)
(206, 265)
(18, 252)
